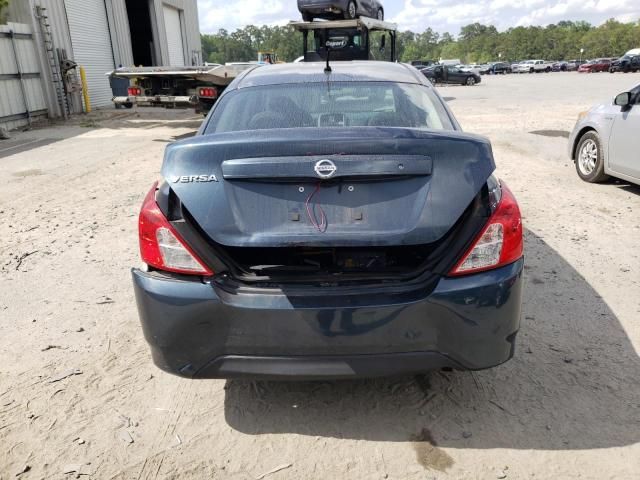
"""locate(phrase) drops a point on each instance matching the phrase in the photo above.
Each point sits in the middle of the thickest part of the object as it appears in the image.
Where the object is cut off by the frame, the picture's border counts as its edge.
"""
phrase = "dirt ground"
(79, 394)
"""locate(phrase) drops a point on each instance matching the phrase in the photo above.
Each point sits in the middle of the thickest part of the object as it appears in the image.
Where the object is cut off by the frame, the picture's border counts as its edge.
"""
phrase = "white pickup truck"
(532, 66)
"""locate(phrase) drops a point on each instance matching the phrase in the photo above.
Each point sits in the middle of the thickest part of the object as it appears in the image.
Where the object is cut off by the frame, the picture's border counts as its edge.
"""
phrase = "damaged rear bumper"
(197, 330)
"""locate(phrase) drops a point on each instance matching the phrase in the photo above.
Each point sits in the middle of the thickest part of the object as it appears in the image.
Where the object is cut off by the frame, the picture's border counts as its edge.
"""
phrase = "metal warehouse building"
(101, 35)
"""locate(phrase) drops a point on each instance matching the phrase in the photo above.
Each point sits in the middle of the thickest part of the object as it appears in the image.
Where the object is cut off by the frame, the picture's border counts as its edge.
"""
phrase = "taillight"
(134, 91)
(160, 244)
(208, 92)
(500, 242)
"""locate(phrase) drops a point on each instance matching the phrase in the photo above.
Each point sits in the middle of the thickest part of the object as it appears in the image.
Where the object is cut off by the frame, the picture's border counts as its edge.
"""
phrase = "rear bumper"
(167, 101)
(197, 330)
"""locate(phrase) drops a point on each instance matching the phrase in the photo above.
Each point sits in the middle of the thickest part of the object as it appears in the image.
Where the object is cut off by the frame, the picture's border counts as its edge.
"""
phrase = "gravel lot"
(79, 394)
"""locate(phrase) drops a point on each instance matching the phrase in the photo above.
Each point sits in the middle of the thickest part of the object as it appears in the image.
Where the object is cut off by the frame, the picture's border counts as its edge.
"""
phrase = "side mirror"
(623, 100)
(383, 43)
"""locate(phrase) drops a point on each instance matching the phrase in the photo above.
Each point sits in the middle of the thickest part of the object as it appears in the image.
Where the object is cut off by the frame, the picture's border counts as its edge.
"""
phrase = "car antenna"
(327, 69)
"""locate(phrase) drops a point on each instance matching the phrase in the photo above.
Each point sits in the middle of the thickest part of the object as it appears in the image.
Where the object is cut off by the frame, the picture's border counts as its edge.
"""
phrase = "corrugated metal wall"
(92, 46)
(120, 32)
(23, 11)
(14, 101)
(191, 29)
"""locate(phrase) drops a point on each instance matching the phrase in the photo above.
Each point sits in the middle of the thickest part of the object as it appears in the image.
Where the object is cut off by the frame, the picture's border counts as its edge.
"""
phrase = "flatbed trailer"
(177, 87)
(199, 87)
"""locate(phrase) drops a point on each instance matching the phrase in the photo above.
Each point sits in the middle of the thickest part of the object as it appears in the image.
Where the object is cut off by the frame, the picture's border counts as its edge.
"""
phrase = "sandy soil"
(79, 394)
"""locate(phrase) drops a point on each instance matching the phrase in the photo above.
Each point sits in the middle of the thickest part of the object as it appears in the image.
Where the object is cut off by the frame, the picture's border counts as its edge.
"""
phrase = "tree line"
(476, 43)
(3, 11)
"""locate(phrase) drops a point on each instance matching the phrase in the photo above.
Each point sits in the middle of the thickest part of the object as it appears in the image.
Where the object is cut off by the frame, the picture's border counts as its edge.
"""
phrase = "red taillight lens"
(160, 244)
(500, 242)
(207, 92)
(134, 91)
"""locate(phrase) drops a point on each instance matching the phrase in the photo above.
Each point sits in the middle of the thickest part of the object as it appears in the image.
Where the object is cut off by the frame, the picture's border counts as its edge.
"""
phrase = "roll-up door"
(173, 26)
(92, 48)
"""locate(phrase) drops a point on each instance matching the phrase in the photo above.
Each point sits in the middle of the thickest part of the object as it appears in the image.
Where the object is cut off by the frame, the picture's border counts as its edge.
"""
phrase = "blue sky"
(416, 15)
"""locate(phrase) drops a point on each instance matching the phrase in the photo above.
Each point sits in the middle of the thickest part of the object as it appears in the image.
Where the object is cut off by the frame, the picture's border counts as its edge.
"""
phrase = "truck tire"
(531, 70)
(548, 69)
(307, 17)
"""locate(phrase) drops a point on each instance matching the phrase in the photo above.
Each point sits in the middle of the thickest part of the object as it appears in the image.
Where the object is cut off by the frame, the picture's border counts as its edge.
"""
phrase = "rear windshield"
(335, 104)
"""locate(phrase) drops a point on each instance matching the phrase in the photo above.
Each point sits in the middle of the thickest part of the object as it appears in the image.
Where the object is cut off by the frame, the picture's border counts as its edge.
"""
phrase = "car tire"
(589, 158)
(128, 105)
(380, 15)
(352, 11)
(470, 82)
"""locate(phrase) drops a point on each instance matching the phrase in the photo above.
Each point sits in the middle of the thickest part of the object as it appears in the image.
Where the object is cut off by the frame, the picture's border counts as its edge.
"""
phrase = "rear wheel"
(307, 17)
(470, 81)
(590, 158)
(351, 11)
(548, 69)
(380, 14)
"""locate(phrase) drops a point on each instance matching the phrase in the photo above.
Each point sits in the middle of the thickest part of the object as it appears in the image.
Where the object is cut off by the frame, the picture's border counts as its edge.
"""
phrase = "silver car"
(604, 141)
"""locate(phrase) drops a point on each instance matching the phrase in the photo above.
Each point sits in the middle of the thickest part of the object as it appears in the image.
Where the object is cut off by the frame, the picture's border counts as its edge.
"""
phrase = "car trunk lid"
(371, 186)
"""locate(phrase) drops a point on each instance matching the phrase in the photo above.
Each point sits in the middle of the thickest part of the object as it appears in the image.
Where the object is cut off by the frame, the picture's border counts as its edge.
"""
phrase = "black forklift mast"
(347, 39)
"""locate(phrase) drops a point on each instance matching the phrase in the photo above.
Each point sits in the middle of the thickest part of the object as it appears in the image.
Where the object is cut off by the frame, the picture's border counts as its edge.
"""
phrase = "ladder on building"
(54, 64)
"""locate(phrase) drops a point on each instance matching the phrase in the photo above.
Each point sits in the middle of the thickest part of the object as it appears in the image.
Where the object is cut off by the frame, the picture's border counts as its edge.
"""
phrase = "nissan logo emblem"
(325, 168)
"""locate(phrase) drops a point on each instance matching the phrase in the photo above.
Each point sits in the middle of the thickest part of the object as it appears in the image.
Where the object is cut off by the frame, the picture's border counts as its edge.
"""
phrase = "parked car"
(422, 63)
(626, 64)
(332, 9)
(315, 232)
(496, 68)
(595, 65)
(450, 74)
(471, 68)
(604, 141)
(560, 66)
(532, 66)
(573, 65)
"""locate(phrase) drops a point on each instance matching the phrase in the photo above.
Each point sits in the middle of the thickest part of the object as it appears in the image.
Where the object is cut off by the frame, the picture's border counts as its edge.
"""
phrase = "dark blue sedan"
(332, 9)
(329, 225)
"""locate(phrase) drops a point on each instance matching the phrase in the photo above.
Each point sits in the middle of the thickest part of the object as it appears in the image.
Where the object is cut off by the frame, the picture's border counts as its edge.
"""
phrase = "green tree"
(475, 43)
(3, 11)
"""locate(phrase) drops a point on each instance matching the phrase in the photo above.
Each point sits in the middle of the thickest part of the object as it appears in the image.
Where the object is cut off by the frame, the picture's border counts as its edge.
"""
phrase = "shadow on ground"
(148, 119)
(626, 186)
(574, 384)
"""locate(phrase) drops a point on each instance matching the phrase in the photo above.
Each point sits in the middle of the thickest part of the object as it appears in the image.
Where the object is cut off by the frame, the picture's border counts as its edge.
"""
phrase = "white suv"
(531, 66)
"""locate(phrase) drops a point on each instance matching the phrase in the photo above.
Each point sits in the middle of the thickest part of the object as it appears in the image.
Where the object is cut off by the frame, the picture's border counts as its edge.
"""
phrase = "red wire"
(311, 212)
